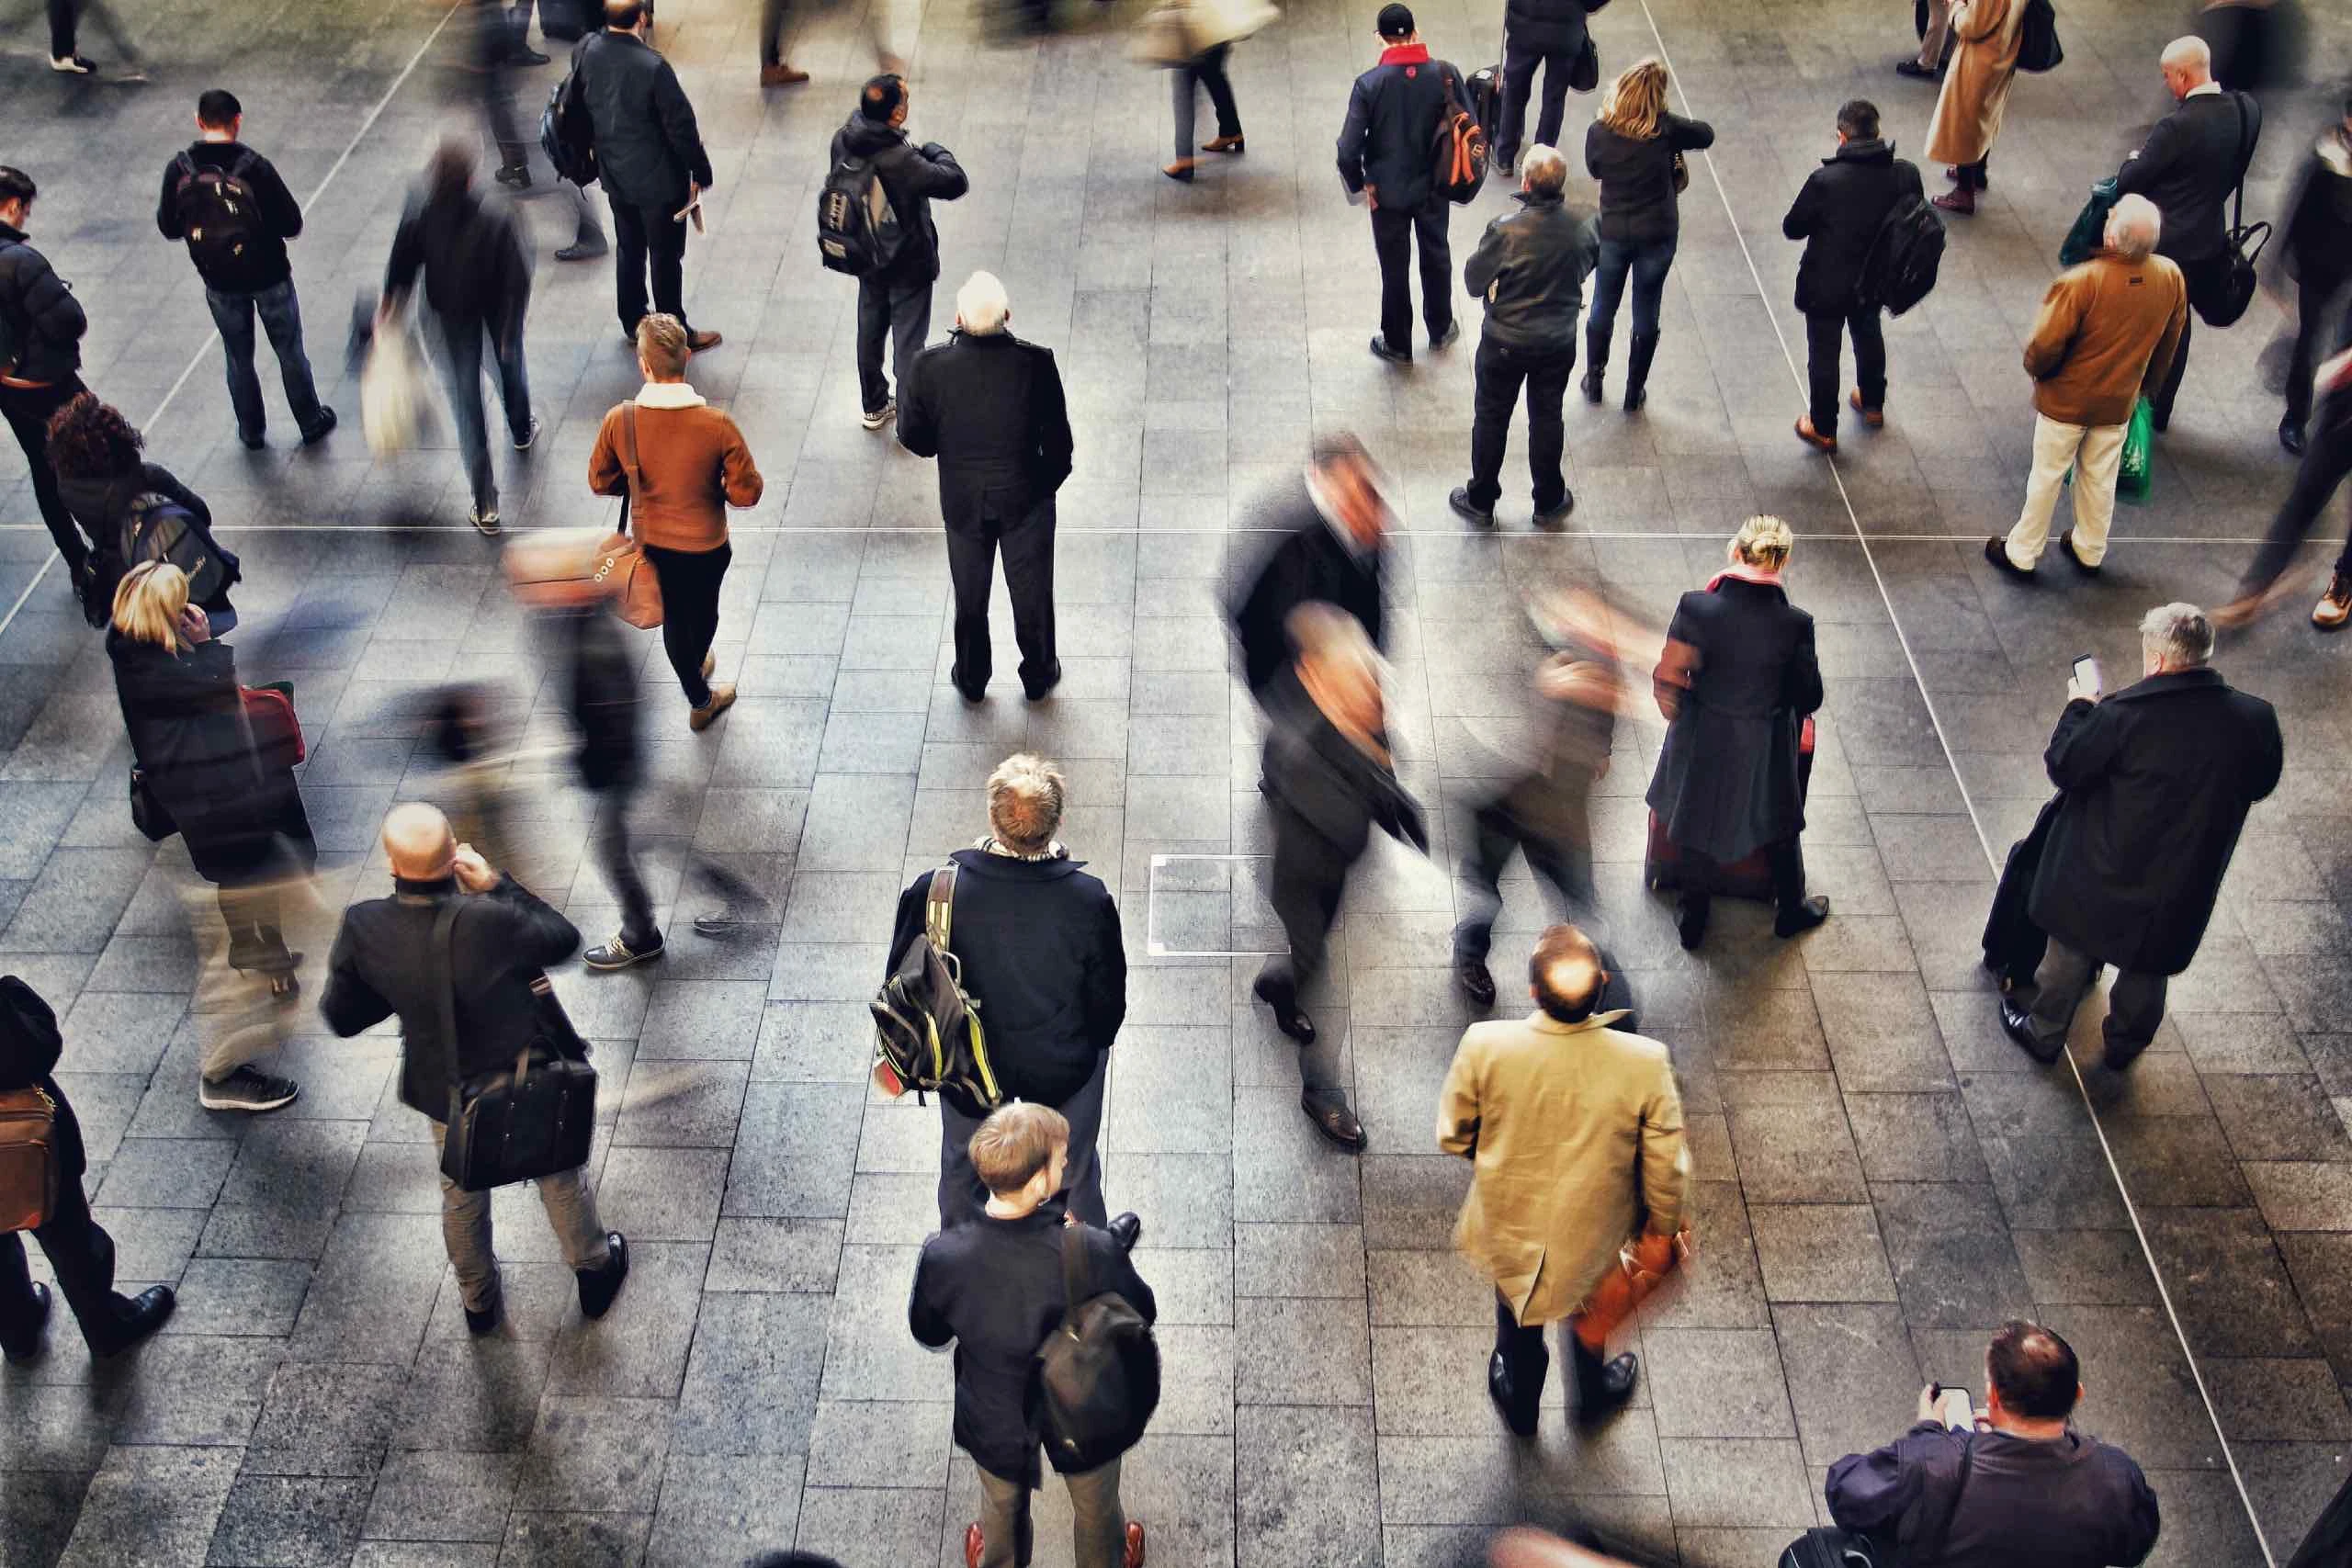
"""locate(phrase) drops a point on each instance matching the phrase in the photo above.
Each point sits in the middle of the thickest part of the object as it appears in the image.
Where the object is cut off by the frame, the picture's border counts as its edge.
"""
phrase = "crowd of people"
(1580, 1202)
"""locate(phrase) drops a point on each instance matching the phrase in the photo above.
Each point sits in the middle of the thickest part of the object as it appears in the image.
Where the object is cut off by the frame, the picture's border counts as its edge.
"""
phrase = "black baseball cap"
(1396, 21)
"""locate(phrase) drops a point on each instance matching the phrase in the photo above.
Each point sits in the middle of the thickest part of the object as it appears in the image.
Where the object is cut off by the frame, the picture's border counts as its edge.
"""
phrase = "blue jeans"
(281, 318)
(461, 344)
(1648, 261)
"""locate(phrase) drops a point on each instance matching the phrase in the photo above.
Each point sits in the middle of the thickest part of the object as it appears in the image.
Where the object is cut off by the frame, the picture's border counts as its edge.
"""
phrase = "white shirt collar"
(668, 395)
(2200, 90)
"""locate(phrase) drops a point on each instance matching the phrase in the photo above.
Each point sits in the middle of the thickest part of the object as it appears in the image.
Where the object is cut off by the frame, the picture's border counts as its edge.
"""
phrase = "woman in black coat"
(1736, 683)
(239, 811)
(1632, 150)
(103, 479)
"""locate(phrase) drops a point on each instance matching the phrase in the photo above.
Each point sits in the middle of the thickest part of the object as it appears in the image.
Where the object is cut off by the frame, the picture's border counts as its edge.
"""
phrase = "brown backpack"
(28, 1159)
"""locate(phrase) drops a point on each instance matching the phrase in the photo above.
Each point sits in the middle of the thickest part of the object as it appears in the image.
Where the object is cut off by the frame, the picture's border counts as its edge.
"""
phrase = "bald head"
(1565, 974)
(2187, 65)
(418, 842)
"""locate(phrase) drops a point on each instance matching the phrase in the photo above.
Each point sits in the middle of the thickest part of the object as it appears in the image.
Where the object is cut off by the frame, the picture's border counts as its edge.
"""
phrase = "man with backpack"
(1387, 158)
(41, 357)
(1001, 1288)
(874, 222)
(1840, 215)
(227, 202)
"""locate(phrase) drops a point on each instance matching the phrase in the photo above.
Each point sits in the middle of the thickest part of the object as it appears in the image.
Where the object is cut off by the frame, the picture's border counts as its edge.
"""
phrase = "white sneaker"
(72, 65)
(881, 416)
(485, 521)
(528, 438)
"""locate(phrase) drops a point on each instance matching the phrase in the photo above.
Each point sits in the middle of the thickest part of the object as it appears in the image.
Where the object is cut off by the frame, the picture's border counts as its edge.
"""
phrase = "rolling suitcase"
(1663, 867)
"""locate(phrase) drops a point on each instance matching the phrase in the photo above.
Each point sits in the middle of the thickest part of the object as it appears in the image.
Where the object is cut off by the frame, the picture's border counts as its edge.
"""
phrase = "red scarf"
(1405, 54)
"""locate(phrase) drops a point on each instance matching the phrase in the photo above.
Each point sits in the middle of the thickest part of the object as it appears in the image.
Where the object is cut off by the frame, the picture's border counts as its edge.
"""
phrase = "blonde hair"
(1636, 100)
(1025, 796)
(1015, 1144)
(1763, 542)
(149, 602)
(661, 344)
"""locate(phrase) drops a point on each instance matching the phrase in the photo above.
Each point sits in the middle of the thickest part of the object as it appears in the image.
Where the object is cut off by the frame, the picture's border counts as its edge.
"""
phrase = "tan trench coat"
(1573, 1130)
(1976, 88)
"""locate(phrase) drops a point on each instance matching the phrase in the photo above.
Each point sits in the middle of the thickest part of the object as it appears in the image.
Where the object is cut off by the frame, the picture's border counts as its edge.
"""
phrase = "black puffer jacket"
(40, 322)
(1529, 268)
(1548, 26)
(1837, 214)
(911, 177)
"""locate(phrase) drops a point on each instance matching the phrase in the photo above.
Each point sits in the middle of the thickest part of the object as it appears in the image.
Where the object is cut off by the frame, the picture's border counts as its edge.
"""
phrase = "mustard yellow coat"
(1977, 86)
(1574, 1129)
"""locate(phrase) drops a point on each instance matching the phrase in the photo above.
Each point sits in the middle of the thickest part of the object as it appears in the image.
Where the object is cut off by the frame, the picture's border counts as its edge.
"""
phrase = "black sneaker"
(1446, 338)
(1380, 350)
(525, 442)
(1477, 982)
(247, 1088)
(514, 176)
(619, 954)
(1917, 71)
(1552, 519)
(1469, 510)
(320, 431)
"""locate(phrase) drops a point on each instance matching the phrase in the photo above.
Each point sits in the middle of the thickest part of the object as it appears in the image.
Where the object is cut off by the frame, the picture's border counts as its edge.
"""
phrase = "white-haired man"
(2192, 160)
(1036, 941)
(990, 407)
(2109, 329)
(2155, 782)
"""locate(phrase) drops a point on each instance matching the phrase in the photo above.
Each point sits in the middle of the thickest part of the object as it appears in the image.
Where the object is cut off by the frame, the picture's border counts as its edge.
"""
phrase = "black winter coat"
(1388, 140)
(1529, 267)
(1040, 948)
(991, 409)
(242, 822)
(1728, 777)
(2316, 237)
(2190, 164)
(40, 322)
(647, 145)
(1309, 563)
(912, 176)
(102, 507)
(1548, 26)
(1638, 205)
(470, 252)
(600, 693)
(264, 263)
(1322, 783)
(1837, 214)
(383, 964)
(29, 1048)
(2158, 779)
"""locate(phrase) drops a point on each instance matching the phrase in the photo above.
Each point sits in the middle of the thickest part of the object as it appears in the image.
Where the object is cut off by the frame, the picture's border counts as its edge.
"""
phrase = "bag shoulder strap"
(1073, 1272)
(939, 906)
(1951, 1515)
(2245, 162)
(445, 986)
(628, 459)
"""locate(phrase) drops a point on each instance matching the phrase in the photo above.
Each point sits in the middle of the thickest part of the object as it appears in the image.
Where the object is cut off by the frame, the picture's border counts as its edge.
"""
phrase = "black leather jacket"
(1529, 267)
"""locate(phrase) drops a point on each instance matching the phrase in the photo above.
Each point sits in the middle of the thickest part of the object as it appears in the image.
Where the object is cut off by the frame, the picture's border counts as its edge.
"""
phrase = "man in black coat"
(1332, 546)
(2156, 780)
(1529, 270)
(649, 159)
(1387, 157)
(1550, 33)
(894, 302)
(1837, 214)
(1037, 939)
(41, 357)
(2191, 162)
(229, 204)
(79, 1253)
(990, 407)
(455, 925)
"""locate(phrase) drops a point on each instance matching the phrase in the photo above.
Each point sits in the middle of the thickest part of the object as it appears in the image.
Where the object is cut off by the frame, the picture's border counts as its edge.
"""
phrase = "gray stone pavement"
(1884, 1179)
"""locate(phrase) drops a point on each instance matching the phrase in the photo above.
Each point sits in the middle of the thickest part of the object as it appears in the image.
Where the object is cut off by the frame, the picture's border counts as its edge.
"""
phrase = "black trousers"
(1519, 80)
(2315, 295)
(1976, 175)
(1526, 1361)
(1206, 70)
(1395, 236)
(1496, 829)
(1027, 542)
(690, 582)
(81, 1256)
(2206, 278)
(1501, 372)
(2327, 460)
(648, 239)
(1785, 858)
(1825, 335)
(28, 410)
(1305, 885)
(899, 313)
(617, 856)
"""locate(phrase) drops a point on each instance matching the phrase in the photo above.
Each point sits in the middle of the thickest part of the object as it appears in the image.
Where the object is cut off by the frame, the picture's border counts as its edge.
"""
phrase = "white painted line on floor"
(1991, 858)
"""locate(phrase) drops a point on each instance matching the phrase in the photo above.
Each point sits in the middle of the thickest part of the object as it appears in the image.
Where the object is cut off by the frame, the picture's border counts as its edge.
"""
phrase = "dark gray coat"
(647, 145)
(1727, 781)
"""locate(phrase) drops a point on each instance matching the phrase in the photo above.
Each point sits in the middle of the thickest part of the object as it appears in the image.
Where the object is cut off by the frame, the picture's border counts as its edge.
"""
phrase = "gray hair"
(1544, 170)
(1025, 796)
(2134, 227)
(2188, 52)
(981, 305)
(2177, 635)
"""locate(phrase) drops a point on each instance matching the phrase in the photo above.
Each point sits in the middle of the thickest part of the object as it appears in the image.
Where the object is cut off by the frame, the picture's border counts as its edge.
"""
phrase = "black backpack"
(1458, 150)
(858, 231)
(153, 528)
(2038, 47)
(566, 134)
(926, 1030)
(1904, 256)
(1098, 1372)
(217, 210)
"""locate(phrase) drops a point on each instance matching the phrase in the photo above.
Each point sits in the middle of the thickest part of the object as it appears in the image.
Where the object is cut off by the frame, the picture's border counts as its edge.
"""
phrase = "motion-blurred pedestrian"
(64, 26)
(1332, 547)
(1202, 33)
(1393, 114)
(111, 489)
(43, 333)
(2326, 462)
(1635, 148)
(650, 161)
(1976, 94)
(2316, 241)
(893, 300)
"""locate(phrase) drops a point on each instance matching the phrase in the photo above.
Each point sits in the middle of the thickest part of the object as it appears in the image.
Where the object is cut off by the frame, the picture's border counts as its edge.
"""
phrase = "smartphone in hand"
(2089, 684)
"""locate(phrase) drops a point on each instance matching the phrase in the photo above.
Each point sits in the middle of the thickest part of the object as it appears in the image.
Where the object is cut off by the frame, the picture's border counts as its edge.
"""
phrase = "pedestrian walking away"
(41, 358)
(1553, 35)
(2156, 780)
(1202, 33)
(1839, 214)
(1385, 161)
(650, 161)
(1987, 38)
(1635, 149)
(1935, 37)
(458, 940)
(991, 407)
(235, 214)
(2316, 241)
(894, 298)
(681, 463)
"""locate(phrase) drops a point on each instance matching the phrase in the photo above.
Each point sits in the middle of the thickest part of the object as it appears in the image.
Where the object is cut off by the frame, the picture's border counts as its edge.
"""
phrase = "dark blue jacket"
(2072, 1503)
(1387, 142)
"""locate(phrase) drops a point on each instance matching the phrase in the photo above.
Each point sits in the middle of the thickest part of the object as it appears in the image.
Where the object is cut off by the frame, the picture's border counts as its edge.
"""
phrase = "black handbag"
(1832, 1548)
(519, 1123)
(148, 814)
(2246, 242)
(1584, 72)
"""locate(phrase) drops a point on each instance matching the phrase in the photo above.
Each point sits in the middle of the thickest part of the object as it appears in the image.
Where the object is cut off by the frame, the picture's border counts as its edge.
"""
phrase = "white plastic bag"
(392, 390)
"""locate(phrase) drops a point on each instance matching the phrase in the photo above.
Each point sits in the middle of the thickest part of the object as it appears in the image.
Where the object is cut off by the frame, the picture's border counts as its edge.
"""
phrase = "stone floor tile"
(575, 1541)
(1307, 1493)
(751, 1384)
(1715, 1382)
(152, 1503)
(865, 1526)
(285, 1522)
(594, 1455)
(1821, 1253)
(442, 1498)
(1715, 1480)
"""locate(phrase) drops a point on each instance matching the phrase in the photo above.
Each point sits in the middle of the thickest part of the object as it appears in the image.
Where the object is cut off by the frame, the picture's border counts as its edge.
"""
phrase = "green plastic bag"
(2135, 475)
(2089, 232)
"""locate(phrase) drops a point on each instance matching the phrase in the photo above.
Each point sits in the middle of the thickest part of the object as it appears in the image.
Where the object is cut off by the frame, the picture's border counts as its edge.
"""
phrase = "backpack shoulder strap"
(1074, 1292)
(939, 906)
(445, 986)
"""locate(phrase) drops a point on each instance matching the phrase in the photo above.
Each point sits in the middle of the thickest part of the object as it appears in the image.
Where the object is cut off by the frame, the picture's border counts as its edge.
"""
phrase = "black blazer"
(383, 964)
(991, 408)
(1041, 953)
(2158, 779)
(1837, 214)
(29, 1048)
(2191, 162)
(647, 145)
(1388, 140)
(1307, 563)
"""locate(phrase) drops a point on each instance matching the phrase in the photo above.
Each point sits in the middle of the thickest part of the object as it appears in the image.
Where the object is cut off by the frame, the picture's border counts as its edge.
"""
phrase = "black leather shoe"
(1552, 519)
(1522, 1422)
(1446, 338)
(1333, 1118)
(1996, 552)
(1469, 510)
(1804, 917)
(2116, 1057)
(1603, 1387)
(1037, 692)
(487, 1320)
(1289, 1017)
(149, 1311)
(2291, 435)
(599, 1286)
(1917, 71)
(1477, 982)
(2017, 1024)
(2066, 548)
(1380, 350)
(24, 1349)
(1127, 1230)
(1690, 926)
(970, 694)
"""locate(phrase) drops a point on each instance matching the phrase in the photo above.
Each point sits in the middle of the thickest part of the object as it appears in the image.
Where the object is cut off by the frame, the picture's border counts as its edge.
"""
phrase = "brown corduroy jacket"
(692, 465)
(2107, 330)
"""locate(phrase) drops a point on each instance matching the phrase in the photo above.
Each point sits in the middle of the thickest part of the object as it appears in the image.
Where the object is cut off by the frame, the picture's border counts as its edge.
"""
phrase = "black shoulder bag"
(516, 1124)
(1834, 1548)
(2246, 240)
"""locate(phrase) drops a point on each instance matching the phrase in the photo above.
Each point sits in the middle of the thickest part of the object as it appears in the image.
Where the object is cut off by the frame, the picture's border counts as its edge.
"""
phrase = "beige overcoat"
(1976, 86)
(1573, 1130)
